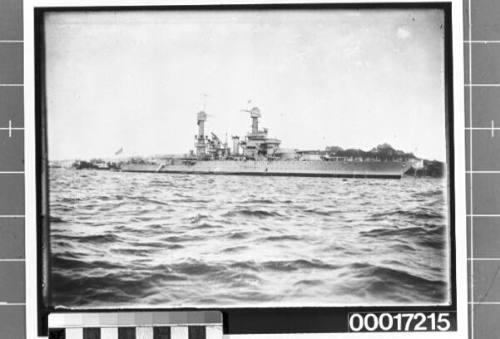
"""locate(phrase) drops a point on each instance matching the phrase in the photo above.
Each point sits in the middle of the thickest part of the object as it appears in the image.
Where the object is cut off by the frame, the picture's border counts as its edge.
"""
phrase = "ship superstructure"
(259, 154)
(208, 148)
(256, 145)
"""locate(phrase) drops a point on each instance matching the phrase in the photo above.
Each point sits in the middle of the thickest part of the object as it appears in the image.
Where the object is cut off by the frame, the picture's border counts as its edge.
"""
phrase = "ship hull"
(338, 169)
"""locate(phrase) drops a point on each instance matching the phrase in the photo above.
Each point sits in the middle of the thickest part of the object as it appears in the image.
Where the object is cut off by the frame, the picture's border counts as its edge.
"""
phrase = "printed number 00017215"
(400, 322)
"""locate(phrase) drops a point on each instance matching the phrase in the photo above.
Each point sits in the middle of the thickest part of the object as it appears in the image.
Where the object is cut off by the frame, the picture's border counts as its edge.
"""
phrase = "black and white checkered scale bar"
(136, 325)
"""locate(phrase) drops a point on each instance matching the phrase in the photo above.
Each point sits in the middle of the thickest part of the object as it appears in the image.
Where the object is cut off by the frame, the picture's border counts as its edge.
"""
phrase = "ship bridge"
(257, 144)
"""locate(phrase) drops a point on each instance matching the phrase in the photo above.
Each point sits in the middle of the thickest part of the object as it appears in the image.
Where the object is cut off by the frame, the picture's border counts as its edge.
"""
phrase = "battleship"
(259, 154)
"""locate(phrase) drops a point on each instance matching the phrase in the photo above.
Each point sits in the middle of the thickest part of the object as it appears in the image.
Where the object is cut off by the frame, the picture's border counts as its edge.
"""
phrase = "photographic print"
(249, 157)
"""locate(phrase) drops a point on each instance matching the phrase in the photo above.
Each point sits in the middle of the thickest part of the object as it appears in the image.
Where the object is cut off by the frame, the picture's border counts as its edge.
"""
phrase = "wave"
(64, 263)
(245, 265)
(130, 251)
(91, 239)
(403, 248)
(173, 247)
(103, 289)
(234, 249)
(150, 244)
(309, 282)
(419, 214)
(148, 200)
(403, 232)
(197, 218)
(429, 194)
(282, 238)
(384, 280)
(241, 279)
(390, 285)
(238, 235)
(160, 183)
(252, 213)
(438, 244)
(390, 275)
(190, 200)
(207, 225)
(191, 268)
(69, 200)
(321, 212)
(181, 238)
(429, 236)
(258, 201)
(293, 265)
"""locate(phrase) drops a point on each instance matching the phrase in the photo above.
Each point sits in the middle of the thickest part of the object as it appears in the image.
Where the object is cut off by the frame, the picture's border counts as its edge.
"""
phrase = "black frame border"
(237, 320)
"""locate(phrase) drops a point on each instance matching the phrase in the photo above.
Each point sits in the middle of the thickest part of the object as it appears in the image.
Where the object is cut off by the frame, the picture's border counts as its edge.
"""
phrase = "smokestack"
(236, 145)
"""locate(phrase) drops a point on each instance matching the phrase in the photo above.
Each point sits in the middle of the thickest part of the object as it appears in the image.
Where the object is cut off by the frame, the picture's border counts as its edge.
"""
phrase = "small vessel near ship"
(259, 154)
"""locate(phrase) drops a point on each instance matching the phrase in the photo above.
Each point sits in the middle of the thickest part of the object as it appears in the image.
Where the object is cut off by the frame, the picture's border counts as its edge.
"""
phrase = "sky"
(345, 77)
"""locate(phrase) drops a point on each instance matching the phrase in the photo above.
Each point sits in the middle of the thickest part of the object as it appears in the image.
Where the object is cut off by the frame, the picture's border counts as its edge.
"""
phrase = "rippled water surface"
(133, 239)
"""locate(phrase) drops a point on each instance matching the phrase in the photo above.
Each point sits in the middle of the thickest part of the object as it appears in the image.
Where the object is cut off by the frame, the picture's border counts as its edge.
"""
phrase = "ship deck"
(380, 170)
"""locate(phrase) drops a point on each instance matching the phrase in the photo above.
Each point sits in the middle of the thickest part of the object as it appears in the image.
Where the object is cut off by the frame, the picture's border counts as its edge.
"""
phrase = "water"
(173, 240)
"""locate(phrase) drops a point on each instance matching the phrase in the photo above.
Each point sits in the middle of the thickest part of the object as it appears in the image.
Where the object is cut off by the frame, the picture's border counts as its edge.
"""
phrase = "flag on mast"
(120, 151)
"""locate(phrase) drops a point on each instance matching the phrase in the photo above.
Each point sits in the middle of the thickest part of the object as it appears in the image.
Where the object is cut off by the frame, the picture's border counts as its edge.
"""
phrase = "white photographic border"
(458, 146)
